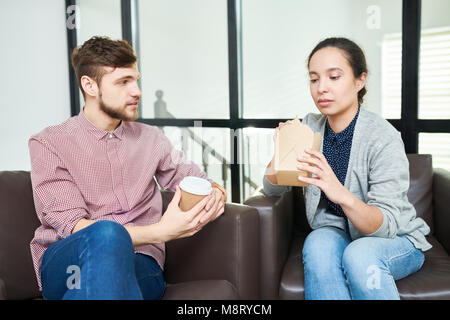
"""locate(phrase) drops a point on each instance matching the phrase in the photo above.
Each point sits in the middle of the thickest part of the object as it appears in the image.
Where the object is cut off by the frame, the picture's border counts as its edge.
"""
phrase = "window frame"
(409, 125)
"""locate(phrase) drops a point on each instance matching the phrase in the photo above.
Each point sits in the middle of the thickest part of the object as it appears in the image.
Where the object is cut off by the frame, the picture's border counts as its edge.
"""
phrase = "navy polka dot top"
(336, 149)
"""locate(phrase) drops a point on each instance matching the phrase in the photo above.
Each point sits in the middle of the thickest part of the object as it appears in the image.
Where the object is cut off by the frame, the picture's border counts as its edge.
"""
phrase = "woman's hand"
(325, 178)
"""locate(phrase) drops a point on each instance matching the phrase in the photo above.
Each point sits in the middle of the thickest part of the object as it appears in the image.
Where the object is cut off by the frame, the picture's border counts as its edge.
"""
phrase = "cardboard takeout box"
(291, 142)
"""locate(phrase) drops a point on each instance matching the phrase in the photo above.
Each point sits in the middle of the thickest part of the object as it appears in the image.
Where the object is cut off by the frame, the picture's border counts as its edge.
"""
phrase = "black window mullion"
(233, 83)
(410, 74)
(436, 126)
(130, 31)
(125, 6)
(71, 45)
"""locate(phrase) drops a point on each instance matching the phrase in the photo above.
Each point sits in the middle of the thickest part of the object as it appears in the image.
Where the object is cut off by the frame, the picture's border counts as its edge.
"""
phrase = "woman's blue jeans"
(364, 269)
(99, 262)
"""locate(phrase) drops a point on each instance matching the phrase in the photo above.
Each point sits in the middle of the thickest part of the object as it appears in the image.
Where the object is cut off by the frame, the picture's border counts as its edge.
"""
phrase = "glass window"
(184, 58)
(436, 144)
(99, 18)
(277, 37)
(209, 148)
(258, 149)
(434, 75)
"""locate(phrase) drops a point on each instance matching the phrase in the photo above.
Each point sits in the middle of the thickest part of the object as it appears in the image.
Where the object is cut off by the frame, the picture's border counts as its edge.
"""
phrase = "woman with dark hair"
(365, 231)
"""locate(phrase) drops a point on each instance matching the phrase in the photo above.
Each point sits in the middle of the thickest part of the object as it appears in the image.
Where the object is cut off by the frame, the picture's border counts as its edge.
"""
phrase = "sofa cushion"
(432, 281)
(18, 221)
(420, 187)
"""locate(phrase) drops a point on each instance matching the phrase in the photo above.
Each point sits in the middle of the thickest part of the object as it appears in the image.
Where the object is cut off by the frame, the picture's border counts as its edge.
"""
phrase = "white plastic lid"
(196, 185)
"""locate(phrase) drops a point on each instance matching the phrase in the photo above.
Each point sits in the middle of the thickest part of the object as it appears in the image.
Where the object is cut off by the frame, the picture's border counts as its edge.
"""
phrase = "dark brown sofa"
(219, 262)
(283, 228)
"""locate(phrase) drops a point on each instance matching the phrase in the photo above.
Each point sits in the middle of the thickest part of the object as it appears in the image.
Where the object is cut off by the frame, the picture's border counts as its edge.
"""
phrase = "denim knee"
(109, 234)
(324, 243)
(361, 254)
(360, 261)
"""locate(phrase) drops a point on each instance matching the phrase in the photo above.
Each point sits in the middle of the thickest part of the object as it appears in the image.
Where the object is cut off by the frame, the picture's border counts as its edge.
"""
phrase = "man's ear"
(90, 86)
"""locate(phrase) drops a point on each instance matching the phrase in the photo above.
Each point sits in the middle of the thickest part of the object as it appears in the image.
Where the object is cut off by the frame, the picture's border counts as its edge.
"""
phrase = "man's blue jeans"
(364, 269)
(99, 262)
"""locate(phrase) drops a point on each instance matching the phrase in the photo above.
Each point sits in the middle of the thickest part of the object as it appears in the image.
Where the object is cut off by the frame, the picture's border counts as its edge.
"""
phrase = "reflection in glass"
(257, 151)
(184, 58)
(277, 37)
(209, 148)
(99, 18)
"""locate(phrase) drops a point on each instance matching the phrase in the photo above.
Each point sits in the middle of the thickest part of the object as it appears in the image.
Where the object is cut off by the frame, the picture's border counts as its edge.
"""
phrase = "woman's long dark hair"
(352, 52)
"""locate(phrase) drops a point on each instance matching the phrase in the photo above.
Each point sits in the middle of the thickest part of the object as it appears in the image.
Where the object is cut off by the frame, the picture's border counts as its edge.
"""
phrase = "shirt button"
(110, 135)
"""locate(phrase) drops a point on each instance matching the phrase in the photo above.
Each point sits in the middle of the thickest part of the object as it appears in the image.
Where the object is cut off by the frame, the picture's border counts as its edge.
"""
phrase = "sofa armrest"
(2, 290)
(276, 229)
(18, 222)
(225, 249)
(441, 192)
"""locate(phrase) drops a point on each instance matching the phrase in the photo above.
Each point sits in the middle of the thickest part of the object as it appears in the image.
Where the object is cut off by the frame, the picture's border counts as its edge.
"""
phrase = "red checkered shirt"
(81, 171)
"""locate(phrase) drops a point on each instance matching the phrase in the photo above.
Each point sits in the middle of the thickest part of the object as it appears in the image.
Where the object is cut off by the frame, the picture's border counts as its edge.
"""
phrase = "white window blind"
(434, 74)
(434, 86)
(391, 76)
(438, 145)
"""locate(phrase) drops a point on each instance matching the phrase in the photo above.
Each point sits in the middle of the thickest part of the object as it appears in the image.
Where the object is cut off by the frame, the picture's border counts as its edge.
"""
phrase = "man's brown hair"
(99, 52)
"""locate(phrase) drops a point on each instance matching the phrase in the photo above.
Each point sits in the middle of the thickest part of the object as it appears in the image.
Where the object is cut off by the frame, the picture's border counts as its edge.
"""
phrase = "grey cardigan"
(378, 174)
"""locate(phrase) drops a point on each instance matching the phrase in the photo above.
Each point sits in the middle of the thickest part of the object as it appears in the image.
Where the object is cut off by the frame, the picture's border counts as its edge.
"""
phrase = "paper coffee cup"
(193, 190)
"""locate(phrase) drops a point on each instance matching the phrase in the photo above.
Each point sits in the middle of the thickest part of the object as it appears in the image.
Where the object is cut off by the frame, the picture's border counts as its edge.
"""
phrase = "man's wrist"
(148, 234)
(156, 233)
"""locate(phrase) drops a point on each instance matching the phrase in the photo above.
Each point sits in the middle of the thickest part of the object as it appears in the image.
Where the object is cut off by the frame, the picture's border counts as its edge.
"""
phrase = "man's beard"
(117, 114)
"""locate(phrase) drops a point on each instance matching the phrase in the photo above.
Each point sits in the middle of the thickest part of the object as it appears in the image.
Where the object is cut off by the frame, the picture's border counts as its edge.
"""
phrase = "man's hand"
(214, 208)
(176, 223)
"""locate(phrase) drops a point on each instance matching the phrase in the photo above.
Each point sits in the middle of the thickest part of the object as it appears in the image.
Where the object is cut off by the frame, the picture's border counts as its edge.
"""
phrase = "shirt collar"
(96, 131)
(342, 136)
